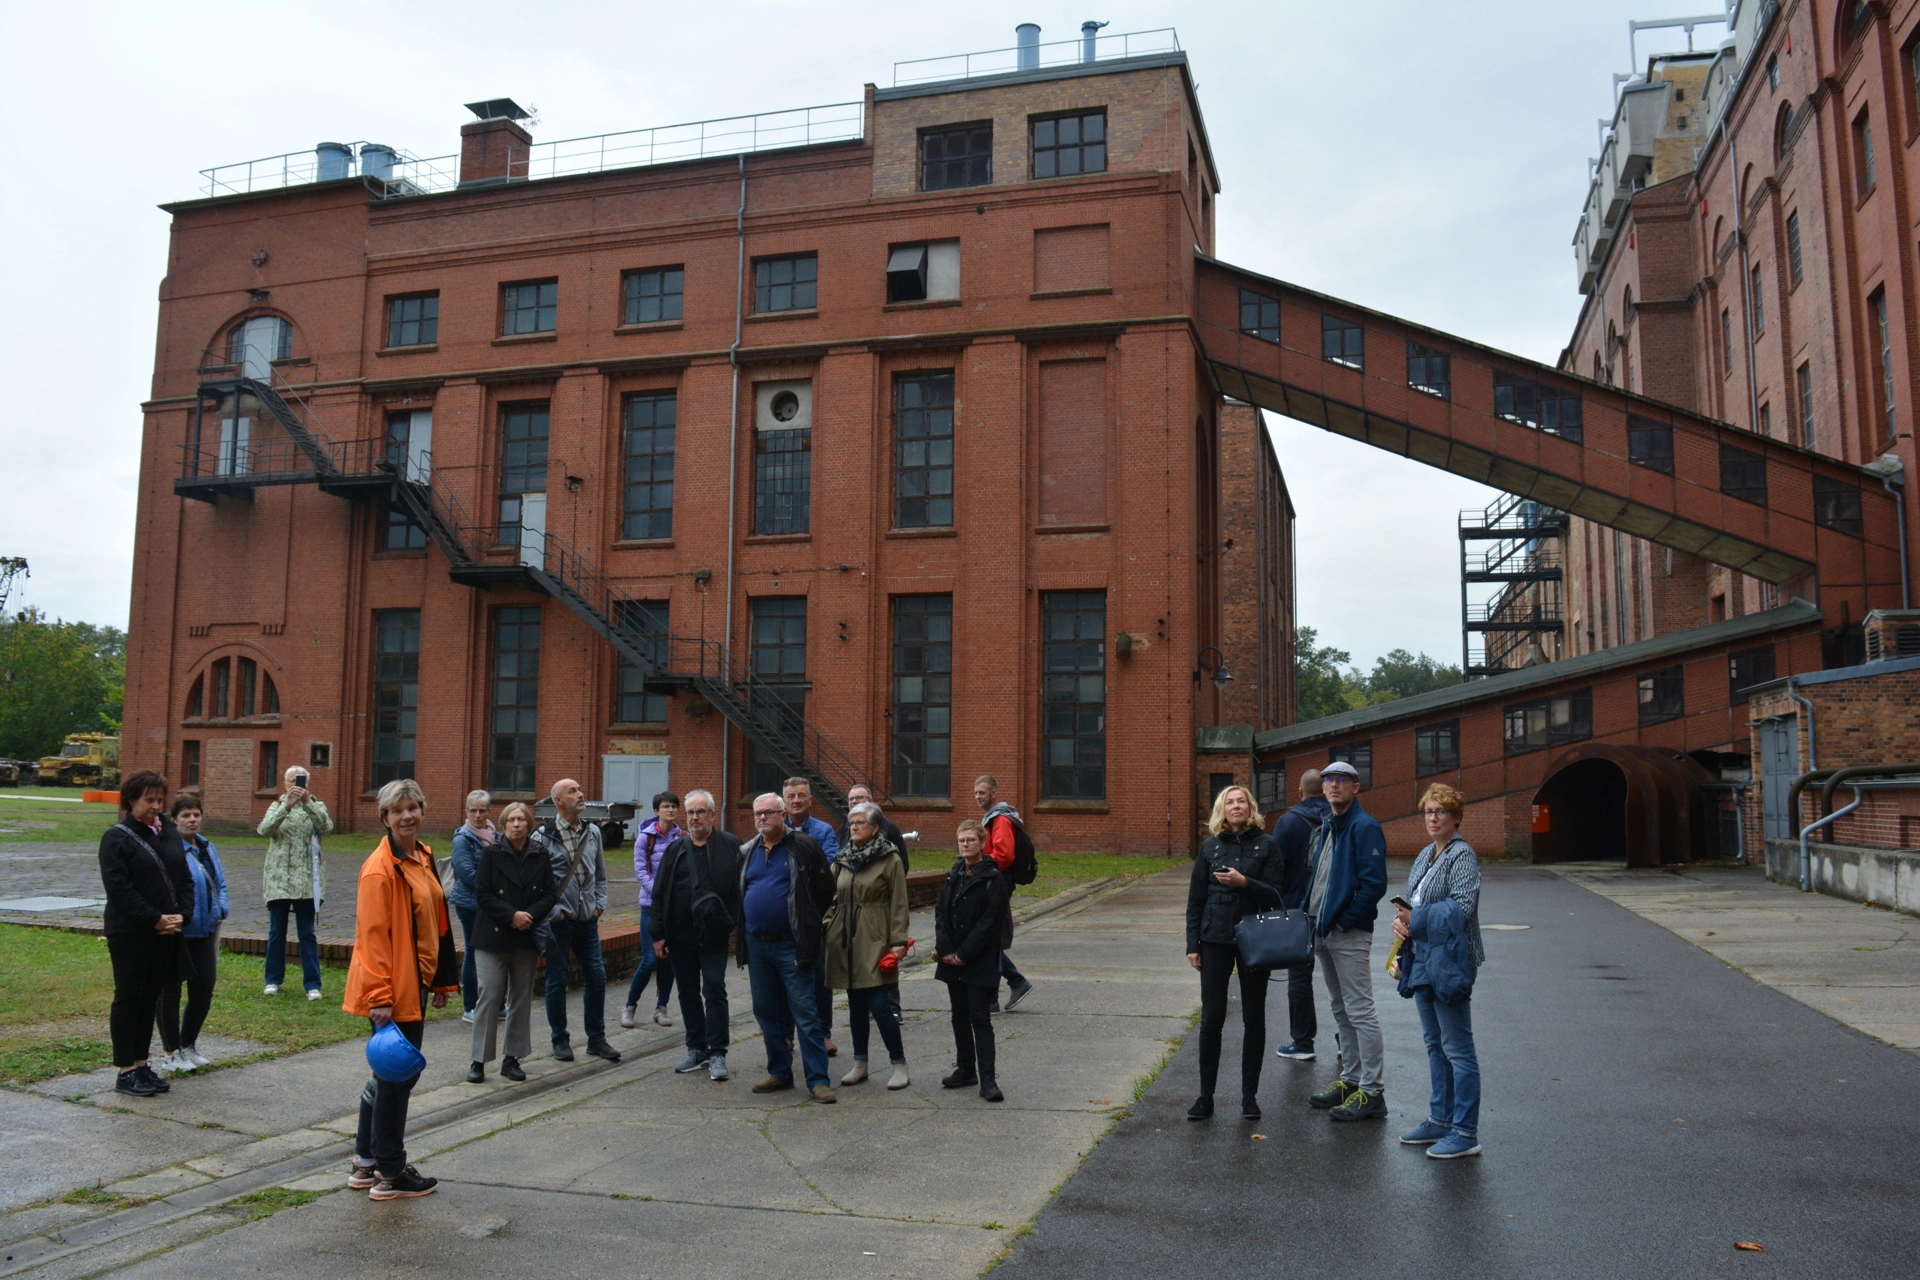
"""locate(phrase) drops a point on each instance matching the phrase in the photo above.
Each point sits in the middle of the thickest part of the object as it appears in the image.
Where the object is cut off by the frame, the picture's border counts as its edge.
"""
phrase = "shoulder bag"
(1274, 939)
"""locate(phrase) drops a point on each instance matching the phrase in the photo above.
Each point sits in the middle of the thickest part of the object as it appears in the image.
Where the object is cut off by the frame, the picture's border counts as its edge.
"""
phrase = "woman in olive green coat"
(866, 925)
(293, 878)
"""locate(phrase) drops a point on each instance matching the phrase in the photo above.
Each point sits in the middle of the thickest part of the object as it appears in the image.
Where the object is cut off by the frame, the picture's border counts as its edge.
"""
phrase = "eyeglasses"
(1434, 813)
(698, 813)
(769, 813)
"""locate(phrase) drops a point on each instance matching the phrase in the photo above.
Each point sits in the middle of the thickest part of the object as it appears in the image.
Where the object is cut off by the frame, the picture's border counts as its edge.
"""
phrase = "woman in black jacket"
(143, 868)
(970, 924)
(1240, 871)
(513, 889)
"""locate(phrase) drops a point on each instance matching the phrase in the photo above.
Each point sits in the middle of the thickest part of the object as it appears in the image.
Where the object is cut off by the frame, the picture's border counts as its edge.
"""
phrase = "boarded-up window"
(1070, 258)
(1073, 442)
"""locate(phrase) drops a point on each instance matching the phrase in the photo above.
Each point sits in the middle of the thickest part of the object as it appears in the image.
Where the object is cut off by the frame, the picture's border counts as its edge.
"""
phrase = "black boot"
(990, 1090)
(961, 1078)
(1249, 1107)
(1202, 1108)
(476, 1072)
(510, 1069)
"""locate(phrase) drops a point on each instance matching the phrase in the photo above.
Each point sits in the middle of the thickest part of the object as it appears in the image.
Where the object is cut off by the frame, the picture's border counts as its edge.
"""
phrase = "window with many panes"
(190, 762)
(1743, 475)
(396, 692)
(1877, 308)
(922, 695)
(956, 155)
(523, 465)
(650, 427)
(245, 677)
(1537, 405)
(1747, 668)
(1342, 341)
(255, 342)
(634, 702)
(1270, 787)
(414, 320)
(1803, 388)
(777, 651)
(1757, 296)
(1649, 444)
(1662, 695)
(222, 688)
(1073, 748)
(1795, 264)
(782, 478)
(400, 531)
(1436, 748)
(515, 720)
(532, 307)
(1726, 343)
(1357, 754)
(1836, 505)
(1064, 145)
(653, 295)
(269, 777)
(1548, 722)
(923, 452)
(1259, 315)
(1863, 153)
(786, 284)
(1429, 370)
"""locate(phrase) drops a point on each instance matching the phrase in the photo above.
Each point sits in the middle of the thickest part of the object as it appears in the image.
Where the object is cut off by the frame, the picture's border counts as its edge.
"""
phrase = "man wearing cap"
(1346, 880)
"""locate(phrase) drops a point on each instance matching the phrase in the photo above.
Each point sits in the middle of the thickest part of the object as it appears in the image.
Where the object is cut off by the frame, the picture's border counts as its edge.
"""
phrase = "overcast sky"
(1428, 160)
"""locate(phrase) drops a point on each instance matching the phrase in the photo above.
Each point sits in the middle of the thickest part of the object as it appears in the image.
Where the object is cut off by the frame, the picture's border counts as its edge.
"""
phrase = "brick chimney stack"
(494, 147)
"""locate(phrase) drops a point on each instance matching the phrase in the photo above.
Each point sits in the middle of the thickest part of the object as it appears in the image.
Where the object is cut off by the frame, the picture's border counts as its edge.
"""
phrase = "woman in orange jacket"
(397, 962)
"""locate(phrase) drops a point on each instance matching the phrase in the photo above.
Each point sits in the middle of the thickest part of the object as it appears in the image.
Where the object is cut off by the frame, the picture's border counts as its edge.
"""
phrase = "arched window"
(197, 698)
(1746, 186)
(256, 342)
(1854, 19)
(1626, 303)
(1782, 127)
(1719, 236)
(233, 687)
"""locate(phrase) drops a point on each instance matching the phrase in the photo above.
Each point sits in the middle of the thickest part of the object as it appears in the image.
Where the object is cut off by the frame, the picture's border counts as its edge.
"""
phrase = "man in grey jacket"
(579, 863)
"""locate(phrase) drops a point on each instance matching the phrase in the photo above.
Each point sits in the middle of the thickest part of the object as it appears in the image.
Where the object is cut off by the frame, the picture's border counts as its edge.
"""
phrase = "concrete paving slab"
(48, 1148)
(225, 1164)
(162, 1182)
(219, 1049)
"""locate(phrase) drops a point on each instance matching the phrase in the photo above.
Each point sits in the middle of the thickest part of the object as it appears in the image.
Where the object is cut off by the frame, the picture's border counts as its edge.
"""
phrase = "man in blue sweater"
(1346, 881)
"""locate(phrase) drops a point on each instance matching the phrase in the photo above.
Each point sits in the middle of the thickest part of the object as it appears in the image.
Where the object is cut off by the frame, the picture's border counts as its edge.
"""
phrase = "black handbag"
(1274, 939)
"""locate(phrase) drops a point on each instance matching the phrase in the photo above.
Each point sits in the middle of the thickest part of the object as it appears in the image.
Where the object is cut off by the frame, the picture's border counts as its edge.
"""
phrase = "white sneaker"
(900, 1077)
(179, 1061)
(193, 1056)
(856, 1074)
(626, 1017)
(660, 1018)
(161, 1066)
(313, 995)
(272, 989)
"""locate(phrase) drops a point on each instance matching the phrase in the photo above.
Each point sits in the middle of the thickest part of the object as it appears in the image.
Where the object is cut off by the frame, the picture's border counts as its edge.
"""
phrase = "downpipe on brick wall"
(1806, 858)
(733, 459)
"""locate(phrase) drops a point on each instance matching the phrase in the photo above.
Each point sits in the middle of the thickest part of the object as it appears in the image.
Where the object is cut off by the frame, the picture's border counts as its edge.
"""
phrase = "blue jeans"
(648, 963)
(882, 1003)
(277, 942)
(783, 1001)
(1013, 976)
(580, 940)
(469, 981)
(1456, 1071)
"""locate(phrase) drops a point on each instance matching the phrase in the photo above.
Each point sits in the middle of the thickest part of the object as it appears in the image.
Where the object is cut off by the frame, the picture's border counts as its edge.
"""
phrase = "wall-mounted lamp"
(574, 483)
(702, 577)
(1221, 676)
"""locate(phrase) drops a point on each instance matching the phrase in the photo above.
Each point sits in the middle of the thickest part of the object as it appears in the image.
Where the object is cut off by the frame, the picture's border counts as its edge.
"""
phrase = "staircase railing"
(438, 509)
(291, 408)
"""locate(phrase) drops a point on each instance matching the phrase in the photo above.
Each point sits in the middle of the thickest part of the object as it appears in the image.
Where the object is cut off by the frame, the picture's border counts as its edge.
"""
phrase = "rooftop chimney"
(1026, 40)
(1090, 40)
(494, 147)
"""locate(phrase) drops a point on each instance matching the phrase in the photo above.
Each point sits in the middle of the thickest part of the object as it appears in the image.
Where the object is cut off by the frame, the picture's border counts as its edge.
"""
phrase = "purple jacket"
(649, 846)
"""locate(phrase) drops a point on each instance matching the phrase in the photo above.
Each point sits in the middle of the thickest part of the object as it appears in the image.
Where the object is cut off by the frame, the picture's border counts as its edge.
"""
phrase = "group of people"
(1326, 858)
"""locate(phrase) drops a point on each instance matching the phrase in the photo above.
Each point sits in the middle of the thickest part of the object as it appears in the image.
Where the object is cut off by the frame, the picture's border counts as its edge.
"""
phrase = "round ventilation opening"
(785, 405)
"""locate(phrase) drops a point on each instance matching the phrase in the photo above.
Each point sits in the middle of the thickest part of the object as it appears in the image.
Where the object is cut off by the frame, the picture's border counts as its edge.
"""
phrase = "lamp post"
(1221, 676)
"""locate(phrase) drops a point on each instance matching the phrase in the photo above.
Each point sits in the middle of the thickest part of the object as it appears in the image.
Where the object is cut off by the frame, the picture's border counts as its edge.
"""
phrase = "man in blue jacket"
(1294, 831)
(1346, 881)
(797, 795)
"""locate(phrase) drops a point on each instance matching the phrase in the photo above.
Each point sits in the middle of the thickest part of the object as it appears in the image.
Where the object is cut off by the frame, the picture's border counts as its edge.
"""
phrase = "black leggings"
(141, 963)
(1217, 963)
(382, 1135)
(205, 955)
(972, 1028)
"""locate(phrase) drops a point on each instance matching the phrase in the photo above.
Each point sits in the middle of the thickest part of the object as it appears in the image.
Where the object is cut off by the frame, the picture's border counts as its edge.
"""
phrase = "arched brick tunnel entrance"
(1640, 805)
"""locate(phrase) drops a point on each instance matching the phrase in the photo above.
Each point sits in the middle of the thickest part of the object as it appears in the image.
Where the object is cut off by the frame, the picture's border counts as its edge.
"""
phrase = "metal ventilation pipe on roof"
(335, 160)
(1090, 40)
(1026, 42)
(377, 160)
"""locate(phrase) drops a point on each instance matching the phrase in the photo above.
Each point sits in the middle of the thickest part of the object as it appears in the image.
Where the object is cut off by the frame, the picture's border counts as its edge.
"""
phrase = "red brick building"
(870, 442)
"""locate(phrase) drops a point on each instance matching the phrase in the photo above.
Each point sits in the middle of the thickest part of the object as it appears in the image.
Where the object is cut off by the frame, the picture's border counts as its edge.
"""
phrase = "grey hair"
(400, 789)
(869, 810)
(479, 797)
(768, 795)
(701, 791)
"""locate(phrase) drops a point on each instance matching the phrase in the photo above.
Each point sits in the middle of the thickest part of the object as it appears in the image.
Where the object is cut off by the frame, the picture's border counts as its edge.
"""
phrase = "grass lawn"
(46, 813)
(1060, 872)
(56, 987)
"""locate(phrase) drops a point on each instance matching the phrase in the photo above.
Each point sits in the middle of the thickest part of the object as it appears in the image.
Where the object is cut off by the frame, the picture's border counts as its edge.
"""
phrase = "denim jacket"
(209, 887)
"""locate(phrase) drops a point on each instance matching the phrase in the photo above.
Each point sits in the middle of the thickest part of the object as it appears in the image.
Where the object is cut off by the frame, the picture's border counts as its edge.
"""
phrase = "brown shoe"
(772, 1084)
(821, 1093)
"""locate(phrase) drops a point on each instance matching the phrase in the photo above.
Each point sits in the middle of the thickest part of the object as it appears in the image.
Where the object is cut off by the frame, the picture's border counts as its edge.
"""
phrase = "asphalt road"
(1646, 1107)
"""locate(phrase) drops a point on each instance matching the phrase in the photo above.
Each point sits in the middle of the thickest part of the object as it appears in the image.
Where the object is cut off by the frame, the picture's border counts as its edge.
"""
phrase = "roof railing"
(697, 140)
(1054, 53)
(326, 162)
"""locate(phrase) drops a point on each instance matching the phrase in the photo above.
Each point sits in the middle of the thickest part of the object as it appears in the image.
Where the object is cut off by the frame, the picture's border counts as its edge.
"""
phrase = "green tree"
(54, 681)
(109, 645)
(1401, 675)
(1321, 687)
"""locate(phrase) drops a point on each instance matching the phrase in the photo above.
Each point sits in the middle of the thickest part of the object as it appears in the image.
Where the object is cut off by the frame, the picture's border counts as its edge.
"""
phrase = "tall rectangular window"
(956, 155)
(246, 675)
(529, 308)
(786, 284)
(396, 692)
(1662, 695)
(190, 762)
(523, 466)
(1537, 405)
(1795, 263)
(777, 650)
(1863, 152)
(650, 420)
(923, 452)
(1357, 754)
(1343, 342)
(222, 688)
(1069, 144)
(1759, 299)
(400, 532)
(1259, 315)
(922, 695)
(1877, 306)
(1743, 475)
(1747, 668)
(1073, 748)
(413, 321)
(653, 295)
(1429, 370)
(1803, 388)
(515, 721)
(1766, 419)
(1649, 444)
(1436, 748)
(782, 477)
(1726, 342)
(269, 777)
(635, 704)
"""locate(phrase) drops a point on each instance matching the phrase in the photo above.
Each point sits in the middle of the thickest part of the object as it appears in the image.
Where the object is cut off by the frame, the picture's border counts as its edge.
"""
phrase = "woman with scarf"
(866, 937)
(201, 939)
(515, 891)
(470, 840)
(149, 901)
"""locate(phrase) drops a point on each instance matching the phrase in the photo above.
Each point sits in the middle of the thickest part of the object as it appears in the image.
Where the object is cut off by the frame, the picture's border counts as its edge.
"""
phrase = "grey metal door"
(1779, 766)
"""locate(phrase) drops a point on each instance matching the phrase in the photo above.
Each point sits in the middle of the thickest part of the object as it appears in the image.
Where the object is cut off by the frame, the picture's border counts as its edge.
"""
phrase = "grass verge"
(56, 988)
(42, 813)
(1060, 872)
(271, 1200)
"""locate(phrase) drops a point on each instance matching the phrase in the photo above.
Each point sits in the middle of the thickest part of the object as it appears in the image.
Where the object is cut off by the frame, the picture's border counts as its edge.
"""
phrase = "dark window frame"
(1650, 444)
(1743, 474)
(396, 694)
(665, 299)
(420, 329)
(1662, 695)
(190, 763)
(1803, 388)
(1538, 406)
(923, 461)
(267, 777)
(1544, 723)
(777, 654)
(1429, 369)
(222, 688)
(783, 482)
(647, 464)
(1073, 695)
(1836, 505)
(1049, 158)
(1436, 748)
(522, 314)
(972, 167)
(922, 696)
(1757, 298)
(1259, 316)
(633, 702)
(525, 431)
(1343, 341)
(1795, 260)
(1359, 754)
(1747, 668)
(1877, 311)
(786, 282)
(513, 710)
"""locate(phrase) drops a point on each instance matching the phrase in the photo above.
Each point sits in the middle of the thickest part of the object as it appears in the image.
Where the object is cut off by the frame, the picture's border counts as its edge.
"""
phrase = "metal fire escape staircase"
(1519, 547)
(230, 463)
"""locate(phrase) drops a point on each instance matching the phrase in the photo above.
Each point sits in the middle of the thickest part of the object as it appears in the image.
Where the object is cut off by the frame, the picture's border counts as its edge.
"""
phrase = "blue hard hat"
(393, 1057)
